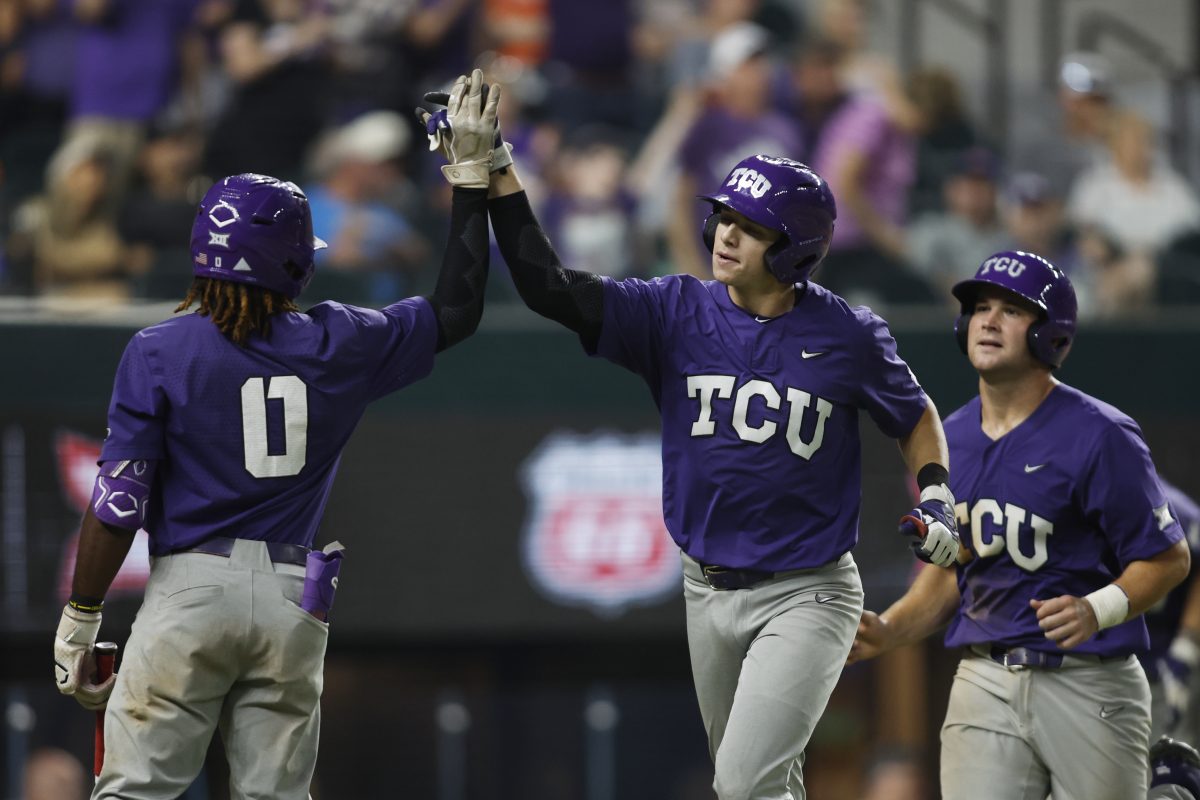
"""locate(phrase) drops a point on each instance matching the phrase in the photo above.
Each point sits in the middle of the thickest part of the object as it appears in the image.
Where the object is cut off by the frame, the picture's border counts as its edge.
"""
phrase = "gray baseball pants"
(765, 661)
(1080, 732)
(218, 642)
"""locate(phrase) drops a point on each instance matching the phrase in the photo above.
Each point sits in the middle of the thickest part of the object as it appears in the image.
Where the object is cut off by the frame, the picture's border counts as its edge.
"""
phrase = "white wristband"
(1185, 650)
(1110, 605)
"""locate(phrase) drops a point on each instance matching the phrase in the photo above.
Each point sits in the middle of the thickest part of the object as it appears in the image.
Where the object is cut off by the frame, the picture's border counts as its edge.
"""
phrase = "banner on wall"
(76, 456)
(594, 533)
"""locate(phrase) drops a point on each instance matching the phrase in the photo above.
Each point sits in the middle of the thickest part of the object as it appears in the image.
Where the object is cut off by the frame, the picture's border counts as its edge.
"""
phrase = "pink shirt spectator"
(861, 125)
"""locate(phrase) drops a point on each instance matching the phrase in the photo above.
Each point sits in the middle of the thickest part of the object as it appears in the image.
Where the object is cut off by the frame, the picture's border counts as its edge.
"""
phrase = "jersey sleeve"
(889, 391)
(393, 346)
(634, 320)
(1123, 497)
(137, 410)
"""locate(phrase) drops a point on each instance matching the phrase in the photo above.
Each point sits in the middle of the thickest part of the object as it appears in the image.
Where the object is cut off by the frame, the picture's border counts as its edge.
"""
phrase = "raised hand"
(435, 122)
(464, 132)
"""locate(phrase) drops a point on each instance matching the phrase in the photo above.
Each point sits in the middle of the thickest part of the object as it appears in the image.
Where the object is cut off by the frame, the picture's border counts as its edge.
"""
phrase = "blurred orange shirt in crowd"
(519, 28)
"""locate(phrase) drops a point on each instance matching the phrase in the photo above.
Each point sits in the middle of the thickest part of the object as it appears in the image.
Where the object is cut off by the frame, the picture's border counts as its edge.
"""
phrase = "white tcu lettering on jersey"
(707, 387)
(1010, 519)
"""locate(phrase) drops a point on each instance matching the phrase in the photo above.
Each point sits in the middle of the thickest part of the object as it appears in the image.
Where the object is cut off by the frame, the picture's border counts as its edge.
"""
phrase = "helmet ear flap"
(960, 331)
(1049, 343)
(709, 232)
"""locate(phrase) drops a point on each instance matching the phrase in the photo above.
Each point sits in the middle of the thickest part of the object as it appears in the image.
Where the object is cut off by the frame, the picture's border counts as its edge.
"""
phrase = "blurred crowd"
(116, 115)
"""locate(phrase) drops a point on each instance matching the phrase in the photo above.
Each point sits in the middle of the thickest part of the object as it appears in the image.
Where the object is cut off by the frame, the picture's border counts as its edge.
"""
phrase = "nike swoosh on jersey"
(805, 354)
(1035, 468)
(1106, 712)
(825, 598)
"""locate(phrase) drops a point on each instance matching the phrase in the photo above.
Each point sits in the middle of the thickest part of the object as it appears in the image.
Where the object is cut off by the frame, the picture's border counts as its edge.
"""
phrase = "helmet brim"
(754, 213)
(966, 292)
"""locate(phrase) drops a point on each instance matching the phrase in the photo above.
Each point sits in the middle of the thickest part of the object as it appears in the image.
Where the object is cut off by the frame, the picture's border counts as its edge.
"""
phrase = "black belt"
(279, 552)
(1022, 657)
(729, 578)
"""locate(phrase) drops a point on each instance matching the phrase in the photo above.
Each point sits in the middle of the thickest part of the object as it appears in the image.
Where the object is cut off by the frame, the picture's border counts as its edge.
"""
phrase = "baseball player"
(225, 431)
(1173, 659)
(760, 377)
(1071, 539)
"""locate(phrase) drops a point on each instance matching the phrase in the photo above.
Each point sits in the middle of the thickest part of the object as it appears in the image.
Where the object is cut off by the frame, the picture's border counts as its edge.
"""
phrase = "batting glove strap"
(469, 174)
(938, 491)
(502, 155)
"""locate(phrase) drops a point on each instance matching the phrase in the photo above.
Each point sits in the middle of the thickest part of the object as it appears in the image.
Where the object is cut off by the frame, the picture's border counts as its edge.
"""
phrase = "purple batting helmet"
(255, 229)
(1037, 280)
(785, 196)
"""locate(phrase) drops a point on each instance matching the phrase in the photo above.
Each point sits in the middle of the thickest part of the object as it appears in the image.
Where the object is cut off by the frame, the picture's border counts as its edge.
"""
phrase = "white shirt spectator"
(1143, 216)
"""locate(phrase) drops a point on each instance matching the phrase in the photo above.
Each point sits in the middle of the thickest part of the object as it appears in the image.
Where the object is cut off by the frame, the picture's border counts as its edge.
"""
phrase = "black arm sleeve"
(570, 297)
(457, 299)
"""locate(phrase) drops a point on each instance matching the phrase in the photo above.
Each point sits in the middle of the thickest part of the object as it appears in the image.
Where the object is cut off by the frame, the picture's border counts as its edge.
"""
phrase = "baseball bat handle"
(106, 656)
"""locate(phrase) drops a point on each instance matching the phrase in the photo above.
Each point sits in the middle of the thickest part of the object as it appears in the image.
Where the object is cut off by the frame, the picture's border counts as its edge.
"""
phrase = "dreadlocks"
(236, 309)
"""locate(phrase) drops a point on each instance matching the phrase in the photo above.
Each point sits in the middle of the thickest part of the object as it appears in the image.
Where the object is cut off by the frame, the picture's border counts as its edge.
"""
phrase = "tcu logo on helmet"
(594, 535)
(1014, 267)
(749, 181)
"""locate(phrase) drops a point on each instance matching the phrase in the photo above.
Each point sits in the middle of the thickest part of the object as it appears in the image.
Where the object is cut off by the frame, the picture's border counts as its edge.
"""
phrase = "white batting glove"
(467, 135)
(933, 524)
(437, 122)
(74, 663)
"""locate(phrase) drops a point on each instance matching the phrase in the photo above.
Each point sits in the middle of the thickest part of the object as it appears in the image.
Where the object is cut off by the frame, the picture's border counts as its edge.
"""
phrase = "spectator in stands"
(1071, 138)
(1135, 198)
(53, 774)
(1127, 210)
(274, 52)
(375, 248)
(845, 23)
(943, 135)
(589, 215)
(126, 69)
(942, 246)
(438, 40)
(156, 218)
(37, 47)
(591, 63)
(75, 246)
(519, 29)
(851, 141)
(738, 120)
(366, 47)
(1036, 222)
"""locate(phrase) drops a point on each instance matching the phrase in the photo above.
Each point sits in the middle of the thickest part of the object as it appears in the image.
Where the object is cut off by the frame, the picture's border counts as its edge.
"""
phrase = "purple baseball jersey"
(1059, 505)
(1163, 619)
(248, 439)
(760, 442)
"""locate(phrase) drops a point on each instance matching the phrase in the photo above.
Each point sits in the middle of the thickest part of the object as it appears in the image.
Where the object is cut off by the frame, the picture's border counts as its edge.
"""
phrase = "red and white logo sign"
(595, 535)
